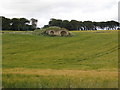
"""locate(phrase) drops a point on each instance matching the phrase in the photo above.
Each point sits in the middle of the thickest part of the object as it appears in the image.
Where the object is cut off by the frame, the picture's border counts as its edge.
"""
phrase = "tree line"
(83, 25)
(19, 24)
(23, 24)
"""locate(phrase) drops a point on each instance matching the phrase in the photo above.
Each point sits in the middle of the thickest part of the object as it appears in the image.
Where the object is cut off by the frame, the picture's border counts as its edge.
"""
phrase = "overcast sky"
(44, 10)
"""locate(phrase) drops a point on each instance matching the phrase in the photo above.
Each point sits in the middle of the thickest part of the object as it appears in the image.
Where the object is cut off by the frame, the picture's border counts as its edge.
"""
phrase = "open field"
(88, 59)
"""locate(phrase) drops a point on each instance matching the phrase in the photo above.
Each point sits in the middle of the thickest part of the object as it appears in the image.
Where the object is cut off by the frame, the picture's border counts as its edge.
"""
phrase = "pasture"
(88, 59)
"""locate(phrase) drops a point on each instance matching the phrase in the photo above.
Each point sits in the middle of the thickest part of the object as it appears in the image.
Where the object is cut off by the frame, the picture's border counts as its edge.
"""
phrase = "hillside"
(86, 51)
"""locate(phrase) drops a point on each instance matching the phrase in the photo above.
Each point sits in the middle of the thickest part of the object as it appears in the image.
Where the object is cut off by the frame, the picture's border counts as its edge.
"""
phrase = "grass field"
(88, 59)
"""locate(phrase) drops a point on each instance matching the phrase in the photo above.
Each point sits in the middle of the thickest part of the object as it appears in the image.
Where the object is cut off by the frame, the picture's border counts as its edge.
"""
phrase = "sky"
(44, 10)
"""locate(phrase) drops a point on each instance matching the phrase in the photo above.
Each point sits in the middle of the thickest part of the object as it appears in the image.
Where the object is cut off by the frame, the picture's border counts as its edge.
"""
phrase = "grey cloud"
(63, 9)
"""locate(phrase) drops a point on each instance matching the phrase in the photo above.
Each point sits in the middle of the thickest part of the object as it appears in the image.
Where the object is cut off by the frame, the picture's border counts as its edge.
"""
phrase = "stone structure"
(57, 32)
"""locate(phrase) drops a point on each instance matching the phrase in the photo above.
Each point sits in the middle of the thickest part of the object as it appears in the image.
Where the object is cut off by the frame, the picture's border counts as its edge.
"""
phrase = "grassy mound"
(42, 31)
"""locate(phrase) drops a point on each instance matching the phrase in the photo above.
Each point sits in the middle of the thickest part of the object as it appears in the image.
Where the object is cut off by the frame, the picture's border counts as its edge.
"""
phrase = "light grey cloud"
(43, 10)
(119, 12)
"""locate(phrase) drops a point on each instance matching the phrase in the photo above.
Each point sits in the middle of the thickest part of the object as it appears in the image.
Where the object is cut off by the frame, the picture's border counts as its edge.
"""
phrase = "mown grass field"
(88, 59)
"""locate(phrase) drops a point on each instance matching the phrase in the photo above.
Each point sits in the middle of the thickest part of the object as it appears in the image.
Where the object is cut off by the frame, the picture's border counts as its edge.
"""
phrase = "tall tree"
(15, 24)
(6, 23)
(88, 25)
(81, 25)
(55, 22)
(34, 23)
(66, 24)
(19, 24)
(23, 24)
(112, 25)
(75, 25)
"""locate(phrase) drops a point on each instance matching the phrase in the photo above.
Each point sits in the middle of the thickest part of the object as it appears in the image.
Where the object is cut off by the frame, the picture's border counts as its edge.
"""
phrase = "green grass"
(84, 51)
(40, 81)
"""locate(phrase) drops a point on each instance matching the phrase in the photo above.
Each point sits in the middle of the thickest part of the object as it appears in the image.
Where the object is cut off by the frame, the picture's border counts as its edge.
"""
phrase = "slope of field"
(83, 60)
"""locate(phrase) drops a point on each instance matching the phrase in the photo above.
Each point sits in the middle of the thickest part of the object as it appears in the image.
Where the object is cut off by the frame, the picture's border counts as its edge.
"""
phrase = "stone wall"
(58, 32)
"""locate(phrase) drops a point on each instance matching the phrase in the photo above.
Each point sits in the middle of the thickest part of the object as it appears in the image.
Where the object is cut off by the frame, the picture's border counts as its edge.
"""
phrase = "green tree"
(55, 22)
(88, 25)
(112, 25)
(23, 24)
(79, 25)
(66, 24)
(6, 23)
(75, 25)
(20, 24)
(15, 24)
(34, 23)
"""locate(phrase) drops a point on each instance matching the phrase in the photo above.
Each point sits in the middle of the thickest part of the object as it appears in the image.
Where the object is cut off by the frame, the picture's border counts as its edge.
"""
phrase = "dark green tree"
(15, 24)
(88, 25)
(24, 24)
(34, 23)
(79, 25)
(66, 24)
(75, 25)
(55, 22)
(19, 24)
(6, 23)
(112, 25)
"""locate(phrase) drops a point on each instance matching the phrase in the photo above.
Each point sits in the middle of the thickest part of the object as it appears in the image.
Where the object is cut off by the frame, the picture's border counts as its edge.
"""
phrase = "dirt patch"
(46, 72)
